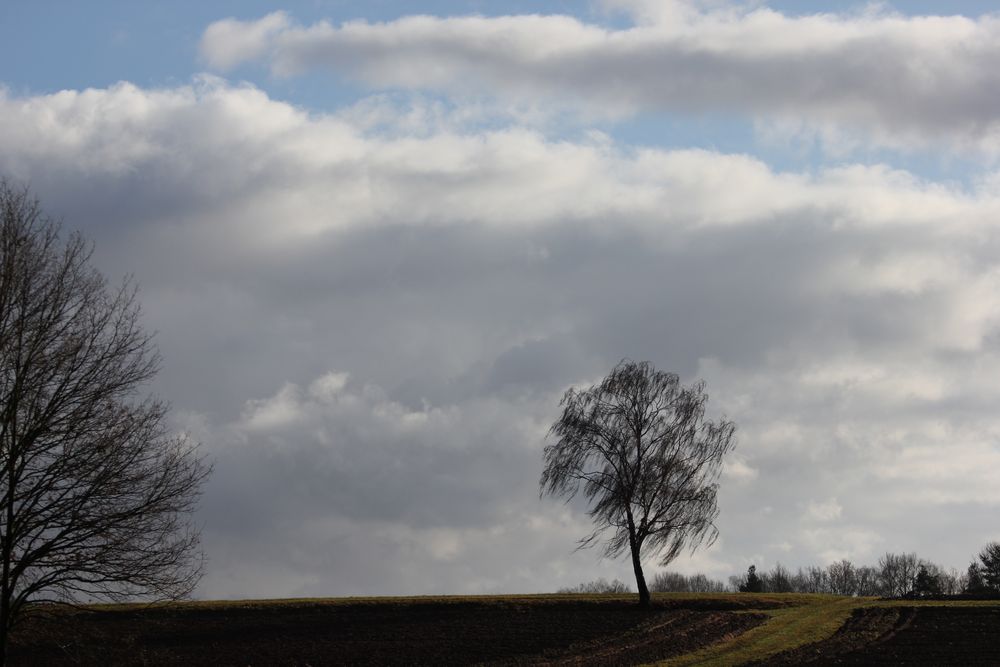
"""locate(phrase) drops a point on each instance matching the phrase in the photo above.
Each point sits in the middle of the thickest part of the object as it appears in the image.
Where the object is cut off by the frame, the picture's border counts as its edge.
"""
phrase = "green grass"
(813, 618)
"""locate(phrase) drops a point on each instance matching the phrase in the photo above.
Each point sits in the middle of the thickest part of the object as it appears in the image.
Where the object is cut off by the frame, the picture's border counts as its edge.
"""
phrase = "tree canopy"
(646, 458)
(95, 493)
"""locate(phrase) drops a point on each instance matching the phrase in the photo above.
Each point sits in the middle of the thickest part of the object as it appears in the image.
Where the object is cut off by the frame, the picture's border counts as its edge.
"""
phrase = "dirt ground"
(907, 636)
(382, 633)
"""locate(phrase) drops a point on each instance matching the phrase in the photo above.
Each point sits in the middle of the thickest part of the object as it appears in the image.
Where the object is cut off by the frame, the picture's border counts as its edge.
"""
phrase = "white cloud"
(828, 510)
(882, 78)
(736, 469)
(229, 42)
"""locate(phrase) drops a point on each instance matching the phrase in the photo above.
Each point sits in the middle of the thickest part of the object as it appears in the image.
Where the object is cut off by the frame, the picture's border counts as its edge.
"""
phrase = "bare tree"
(897, 573)
(673, 582)
(601, 586)
(810, 580)
(818, 580)
(647, 459)
(779, 580)
(94, 493)
(700, 583)
(842, 578)
(951, 581)
(669, 582)
(867, 578)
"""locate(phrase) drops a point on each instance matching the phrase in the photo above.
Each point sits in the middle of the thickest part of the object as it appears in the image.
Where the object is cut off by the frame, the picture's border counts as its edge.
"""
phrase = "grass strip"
(788, 628)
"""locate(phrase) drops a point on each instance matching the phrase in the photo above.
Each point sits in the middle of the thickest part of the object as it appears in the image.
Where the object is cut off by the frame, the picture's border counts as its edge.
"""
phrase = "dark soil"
(667, 634)
(907, 636)
(382, 633)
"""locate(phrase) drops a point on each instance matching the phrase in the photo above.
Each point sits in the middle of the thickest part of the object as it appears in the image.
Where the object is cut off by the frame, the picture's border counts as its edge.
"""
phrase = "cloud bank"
(369, 325)
(900, 82)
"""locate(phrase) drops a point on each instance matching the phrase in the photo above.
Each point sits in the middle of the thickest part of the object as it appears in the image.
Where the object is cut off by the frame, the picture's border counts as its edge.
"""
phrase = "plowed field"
(924, 635)
(497, 631)
(680, 629)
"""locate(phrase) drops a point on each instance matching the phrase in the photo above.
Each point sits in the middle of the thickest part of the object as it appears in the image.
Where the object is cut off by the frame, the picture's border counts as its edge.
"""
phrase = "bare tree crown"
(95, 495)
(640, 448)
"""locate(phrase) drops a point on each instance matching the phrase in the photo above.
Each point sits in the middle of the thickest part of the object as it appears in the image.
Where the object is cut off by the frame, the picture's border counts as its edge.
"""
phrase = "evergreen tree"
(926, 584)
(753, 583)
(990, 559)
(974, 584)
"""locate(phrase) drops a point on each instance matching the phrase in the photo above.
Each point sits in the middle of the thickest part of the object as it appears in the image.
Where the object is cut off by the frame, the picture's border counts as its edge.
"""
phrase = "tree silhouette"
(94, 494)
(926, 583)
(752, 583)
(639, 446)
(974, 584)
(990, 559)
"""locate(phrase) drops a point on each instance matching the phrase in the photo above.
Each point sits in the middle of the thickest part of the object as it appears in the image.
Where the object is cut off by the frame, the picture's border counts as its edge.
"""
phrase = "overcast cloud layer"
(368, 314)
(902, 82)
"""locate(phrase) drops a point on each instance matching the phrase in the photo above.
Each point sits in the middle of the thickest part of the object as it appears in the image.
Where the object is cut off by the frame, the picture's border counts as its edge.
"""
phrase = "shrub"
(601, 585)
(752, 583)
(672, 582)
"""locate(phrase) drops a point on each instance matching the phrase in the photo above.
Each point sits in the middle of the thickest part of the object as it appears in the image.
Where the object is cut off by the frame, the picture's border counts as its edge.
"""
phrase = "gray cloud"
(902, 82)
(370, 332)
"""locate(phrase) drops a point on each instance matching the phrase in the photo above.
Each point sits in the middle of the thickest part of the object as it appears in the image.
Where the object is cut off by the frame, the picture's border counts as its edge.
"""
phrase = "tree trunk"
(640, 578)
(4, 630)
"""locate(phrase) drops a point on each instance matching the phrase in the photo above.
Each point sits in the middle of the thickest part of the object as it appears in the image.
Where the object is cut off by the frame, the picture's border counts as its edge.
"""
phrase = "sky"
(378, 241)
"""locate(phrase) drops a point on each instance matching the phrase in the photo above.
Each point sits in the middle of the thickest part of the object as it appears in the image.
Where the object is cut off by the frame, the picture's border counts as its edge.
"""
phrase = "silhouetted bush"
(752, 583)
(926, 584)
(672, 582)
(601, 585)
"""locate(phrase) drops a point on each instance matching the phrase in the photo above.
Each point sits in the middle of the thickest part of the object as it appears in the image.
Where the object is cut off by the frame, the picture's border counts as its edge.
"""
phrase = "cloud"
(345, 482)
(824, 511)
(846, 78)
(370, 330)
(229, 42)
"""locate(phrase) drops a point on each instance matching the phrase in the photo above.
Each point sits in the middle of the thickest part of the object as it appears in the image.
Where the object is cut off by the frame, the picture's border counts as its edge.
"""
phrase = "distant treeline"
(671, 582)
(601, 585)
(894, 575)
(663, 582)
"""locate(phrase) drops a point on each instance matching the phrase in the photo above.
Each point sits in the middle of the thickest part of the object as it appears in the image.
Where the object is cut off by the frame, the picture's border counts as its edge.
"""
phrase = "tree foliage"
(752, 583)
(94, 493)
(647, 460)
(974, 584)
(927, 583)
(989, 557)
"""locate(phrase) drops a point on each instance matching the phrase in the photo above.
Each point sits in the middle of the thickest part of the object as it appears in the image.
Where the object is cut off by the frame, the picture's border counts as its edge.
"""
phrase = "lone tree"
(95, 494)
(752, 583)
(647, 460)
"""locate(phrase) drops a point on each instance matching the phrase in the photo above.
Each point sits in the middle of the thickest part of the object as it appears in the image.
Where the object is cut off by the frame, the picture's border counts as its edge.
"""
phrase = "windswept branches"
(640, 449)
(95, 495)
